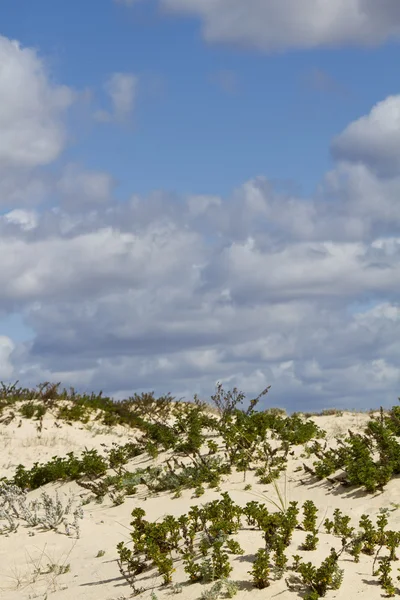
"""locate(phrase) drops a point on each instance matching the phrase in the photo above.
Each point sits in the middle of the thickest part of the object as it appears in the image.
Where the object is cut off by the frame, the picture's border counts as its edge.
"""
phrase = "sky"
(202, 191)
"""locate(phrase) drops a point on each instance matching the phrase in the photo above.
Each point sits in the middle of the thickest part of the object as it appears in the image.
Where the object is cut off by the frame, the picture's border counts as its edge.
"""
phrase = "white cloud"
(105, 258)
(374, 139)
(175, 294)
(122, 89)
(31, 109)
(26, 219)
(127, 310)
(82, 188)
(365, 204)
(23, 187)
(276, 25)
(6, 349)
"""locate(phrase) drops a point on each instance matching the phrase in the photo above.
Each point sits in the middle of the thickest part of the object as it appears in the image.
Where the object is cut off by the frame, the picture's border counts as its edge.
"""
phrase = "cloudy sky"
(194, 191)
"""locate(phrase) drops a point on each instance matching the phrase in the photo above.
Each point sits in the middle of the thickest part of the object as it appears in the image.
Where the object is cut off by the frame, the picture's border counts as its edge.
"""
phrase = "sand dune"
(51, 564)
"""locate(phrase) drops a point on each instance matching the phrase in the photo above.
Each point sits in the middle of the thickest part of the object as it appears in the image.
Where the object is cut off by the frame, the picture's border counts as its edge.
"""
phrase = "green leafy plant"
(310, 542)
(261, 569)
(310, 513)
(385, 579)
(319, 580)
(340, 525)
(91, 464)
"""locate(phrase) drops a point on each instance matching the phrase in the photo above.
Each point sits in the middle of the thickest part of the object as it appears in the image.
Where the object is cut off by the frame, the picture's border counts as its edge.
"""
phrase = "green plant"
(261, 569)
(385, 580)
(199, 491)
(370, 459)
(311, 542)
(165, 566)
(392, 542)
(32, 409)
(356, 549)
(368, 535)
(234, 547)
(280, 560)
(320, 579)
(91, 464)
(58, 569)
(130, 566)
(75, 411)
(310, 513)
(340, 525)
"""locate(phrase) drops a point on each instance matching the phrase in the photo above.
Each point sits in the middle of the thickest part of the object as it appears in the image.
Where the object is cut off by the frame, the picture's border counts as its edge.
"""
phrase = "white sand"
(104, 525)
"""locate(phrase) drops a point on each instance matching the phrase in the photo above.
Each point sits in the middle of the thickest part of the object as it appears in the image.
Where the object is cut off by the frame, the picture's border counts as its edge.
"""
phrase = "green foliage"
(249, 440)
(31, 410)
(234, 547)
(74, 411)
(130, 566)
(245, 439)
(330, 460)
(361, 469)
(311, 542)
(45, 394)
(277, 527)
(392, 542)
(189, 428)
(340, 525)
(385, 579)
(310, 512)
(226, 402)
(261, 569)
(201, 539)
(219, 562)
(91, 464)
(118, 456)
(370, 459)
(199, 491)
(280, 560)
(319, 580)
(369, 535)
(179, 476)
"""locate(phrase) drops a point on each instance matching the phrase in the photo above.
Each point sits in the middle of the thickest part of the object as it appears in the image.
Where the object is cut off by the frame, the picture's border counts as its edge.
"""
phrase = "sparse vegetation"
(46, 512)
(369, 460)
(195, 449)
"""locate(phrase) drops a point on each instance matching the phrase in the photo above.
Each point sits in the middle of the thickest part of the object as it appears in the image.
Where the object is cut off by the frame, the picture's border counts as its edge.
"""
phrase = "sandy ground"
(92, 571)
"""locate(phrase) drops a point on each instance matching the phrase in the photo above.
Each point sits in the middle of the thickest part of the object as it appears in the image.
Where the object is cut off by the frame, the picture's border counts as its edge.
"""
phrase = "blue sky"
(187, 133)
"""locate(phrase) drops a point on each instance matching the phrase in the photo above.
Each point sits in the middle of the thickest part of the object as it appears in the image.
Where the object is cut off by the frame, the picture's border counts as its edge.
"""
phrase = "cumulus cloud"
(84, 188)
(270, 25)
(374, 139)
(150, 303)
(122, 89)
(23, 187)
(174, 293)
(25, 219)
(6, 367)
(32, 109)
